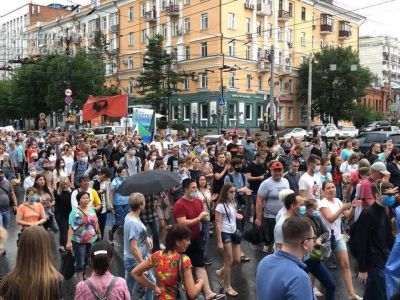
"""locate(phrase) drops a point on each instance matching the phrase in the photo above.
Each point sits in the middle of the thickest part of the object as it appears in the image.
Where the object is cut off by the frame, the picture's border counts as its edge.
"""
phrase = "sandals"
(231, 292)
(244, 259)
(220, 278)
(217, 297)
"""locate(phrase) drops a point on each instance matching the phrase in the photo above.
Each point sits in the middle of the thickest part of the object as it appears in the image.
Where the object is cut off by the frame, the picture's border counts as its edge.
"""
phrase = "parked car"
(296, 133)
(332, 132)
(366, 139)
(348, 132)
(377, 126)
(395, 129)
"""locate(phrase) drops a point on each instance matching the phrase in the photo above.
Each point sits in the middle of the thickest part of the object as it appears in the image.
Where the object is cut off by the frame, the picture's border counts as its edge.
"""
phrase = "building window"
(186, 83)
(332, 45)
(290, 36)
(259, 112)
(231, 21)
(187, 25)
(131, 13)
(114, 19)
(232, 80)
(248, 50)
(104, 23)
(142, 9)
(203, 49)
(131, 89)
(186, 112)
(303, 13)
(186, 2)
(130, 39)
(303, 39)
(130, 62)
(204, 21)
(281, 85)
(280, 34)
(144, 35)
(175, 27)
(248, 25)
(187, 52)
(175, 112)
(323, 44)
(248, 81)
(232, 49)
(232, 111)
(290, 86)
(290, 9)
(270, 30)
(164, 30)
(204, 111)
(203, 80)
(259, 28)
(290, 113)
(248, 111)
(260, 83)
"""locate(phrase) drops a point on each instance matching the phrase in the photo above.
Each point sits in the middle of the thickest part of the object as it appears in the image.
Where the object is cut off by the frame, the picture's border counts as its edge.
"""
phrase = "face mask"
(306, 256)
(123, 149)
(248, 141)
(124, 176)
(287, 151)
(329, 168)
(153, 158)
(33, 173)
(388, 200)
(35, 159)
(181, 170)
(99, 165)
(262, 161)
(84, 159)
(212, 153)
(132, 152)
(193, 195)
(52, 152)
(231, 196)
(206, 159)
(33, 198)
(302, 210)
(62, 165)
(315, 214)
(317, 169)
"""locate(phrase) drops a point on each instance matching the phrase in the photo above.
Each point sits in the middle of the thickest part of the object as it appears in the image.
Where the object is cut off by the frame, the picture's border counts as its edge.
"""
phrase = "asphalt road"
(243, 275)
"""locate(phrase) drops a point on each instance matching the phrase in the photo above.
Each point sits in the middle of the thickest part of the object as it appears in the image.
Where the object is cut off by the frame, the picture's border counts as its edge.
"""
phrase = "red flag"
(110, 106)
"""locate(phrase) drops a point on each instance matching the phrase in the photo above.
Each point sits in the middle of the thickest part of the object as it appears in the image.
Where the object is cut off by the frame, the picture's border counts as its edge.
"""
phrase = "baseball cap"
(379, 167)
(276, 166)
(364, 163)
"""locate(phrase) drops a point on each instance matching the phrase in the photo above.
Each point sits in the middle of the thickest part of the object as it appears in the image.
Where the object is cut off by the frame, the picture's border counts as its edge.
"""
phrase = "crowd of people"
(313, 209)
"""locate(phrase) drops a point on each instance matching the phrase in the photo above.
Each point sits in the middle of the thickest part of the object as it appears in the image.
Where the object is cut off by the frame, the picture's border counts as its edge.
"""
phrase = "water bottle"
(333, 240)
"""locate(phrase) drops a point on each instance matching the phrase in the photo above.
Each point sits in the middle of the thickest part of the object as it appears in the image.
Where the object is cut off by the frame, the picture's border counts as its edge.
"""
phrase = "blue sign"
(221, 101)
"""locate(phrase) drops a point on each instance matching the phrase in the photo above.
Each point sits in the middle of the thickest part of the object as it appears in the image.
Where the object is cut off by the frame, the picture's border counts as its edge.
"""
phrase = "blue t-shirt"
(345, 154)
(134, 229)
(237, 180)
(281, 276)
(269, 189)
(118, 198)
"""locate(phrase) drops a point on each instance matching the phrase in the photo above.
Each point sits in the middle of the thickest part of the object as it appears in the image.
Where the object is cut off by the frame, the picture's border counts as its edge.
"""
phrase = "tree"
(158, 80)
(333, 91)
(363, 114)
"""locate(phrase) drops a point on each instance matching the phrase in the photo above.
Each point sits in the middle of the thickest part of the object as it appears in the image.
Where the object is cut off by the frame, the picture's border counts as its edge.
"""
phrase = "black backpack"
(96, 293)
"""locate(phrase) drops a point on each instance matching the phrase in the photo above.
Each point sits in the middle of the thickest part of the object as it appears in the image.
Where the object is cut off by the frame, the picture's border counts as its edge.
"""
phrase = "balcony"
(263, 9)
(248, 5)
(283, 15)
(344, 30)
(326, 29)
(172, 10)
(114, 28)
(150, 16)
(263, 66)
(285, 70)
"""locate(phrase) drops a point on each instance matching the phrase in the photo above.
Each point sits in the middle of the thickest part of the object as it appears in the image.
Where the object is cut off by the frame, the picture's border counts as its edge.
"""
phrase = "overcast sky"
(381, 19)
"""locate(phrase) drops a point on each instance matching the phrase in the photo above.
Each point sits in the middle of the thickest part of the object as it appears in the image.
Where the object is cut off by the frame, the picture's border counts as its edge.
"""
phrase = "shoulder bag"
(180, 285)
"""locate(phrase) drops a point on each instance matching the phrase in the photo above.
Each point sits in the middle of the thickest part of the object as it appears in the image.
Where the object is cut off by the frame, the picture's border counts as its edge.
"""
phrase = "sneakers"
(162, 247)
(317, 292)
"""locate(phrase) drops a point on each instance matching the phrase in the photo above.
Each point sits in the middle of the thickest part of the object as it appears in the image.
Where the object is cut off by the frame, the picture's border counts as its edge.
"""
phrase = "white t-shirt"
(226, 226)
(311, 184)
(333, 208)
(278, 234)
(347, 168)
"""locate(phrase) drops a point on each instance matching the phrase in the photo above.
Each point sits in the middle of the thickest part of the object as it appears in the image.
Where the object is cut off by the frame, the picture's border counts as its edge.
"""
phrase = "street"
(243, 276)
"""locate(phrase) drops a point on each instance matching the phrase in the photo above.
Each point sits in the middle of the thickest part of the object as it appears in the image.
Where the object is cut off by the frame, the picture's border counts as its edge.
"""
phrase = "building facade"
(224, 48)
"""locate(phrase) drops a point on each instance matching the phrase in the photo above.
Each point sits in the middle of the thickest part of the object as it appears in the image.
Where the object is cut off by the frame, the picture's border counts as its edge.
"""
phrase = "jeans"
(102, 218)
(339, 191)
(155, 233)
(375, 288)
(321, 272)
(135, 290)
(62, 222)
(5, 218)
(205, 235)
(81, 253)
(120, 213)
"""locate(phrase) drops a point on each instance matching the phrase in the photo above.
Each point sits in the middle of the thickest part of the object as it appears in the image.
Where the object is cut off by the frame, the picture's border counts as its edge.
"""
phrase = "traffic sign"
(221, 101)
(42, 115)
(68, 100)
(68, 92)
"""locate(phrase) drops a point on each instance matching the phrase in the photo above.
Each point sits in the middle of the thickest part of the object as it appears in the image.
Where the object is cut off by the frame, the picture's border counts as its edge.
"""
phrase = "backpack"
(95, 291)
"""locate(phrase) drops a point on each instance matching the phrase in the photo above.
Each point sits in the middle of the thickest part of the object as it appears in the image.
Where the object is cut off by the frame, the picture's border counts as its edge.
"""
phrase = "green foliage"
(178, 126)
(333, 92)
(40, 87)
(158, 80)
(363, 114)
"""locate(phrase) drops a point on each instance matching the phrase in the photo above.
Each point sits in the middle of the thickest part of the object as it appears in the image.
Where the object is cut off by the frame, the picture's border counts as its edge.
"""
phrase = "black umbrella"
(149, 182)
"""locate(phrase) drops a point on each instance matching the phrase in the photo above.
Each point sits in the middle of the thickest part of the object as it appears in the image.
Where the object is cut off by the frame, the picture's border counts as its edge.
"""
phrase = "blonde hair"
(62, 181)
(34, 274)
(136, 200)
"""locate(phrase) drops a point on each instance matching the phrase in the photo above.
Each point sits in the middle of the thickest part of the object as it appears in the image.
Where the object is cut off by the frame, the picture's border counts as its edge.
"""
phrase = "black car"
(366, 139)
(376, 126)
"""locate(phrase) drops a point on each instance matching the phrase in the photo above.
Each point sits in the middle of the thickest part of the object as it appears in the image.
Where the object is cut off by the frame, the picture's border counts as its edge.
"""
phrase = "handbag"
(67, 268)
(180, 285)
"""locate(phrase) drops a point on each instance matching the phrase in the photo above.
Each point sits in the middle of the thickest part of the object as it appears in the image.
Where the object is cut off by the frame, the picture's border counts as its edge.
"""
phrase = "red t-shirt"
(190, 209)
(366, 192)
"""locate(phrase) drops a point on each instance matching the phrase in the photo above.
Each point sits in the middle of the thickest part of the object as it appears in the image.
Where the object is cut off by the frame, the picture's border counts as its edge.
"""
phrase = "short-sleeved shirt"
(173, 163)
(366, 192)
(93, 195)
(190, 209)
(118, 198)
(30, 212)
(84, 226)
(79, 168)
(218, 183)
(345, 154)
(228, 217)
(166, 272)
(333, 208)
(269, 189)
(311, 184)
(255, 170)
(5, 195)
(239, 180)
(134, 229)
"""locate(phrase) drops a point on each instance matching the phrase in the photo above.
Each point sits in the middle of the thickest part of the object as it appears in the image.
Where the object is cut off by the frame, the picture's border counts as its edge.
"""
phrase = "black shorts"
(195, 252)
(269, 226)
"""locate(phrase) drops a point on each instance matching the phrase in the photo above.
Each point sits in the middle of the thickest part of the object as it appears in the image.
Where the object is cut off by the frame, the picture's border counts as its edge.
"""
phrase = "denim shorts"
(340, 246)
(228, 238)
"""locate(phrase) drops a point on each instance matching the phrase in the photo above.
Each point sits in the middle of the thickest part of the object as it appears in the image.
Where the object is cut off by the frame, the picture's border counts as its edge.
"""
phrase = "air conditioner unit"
(125, 61)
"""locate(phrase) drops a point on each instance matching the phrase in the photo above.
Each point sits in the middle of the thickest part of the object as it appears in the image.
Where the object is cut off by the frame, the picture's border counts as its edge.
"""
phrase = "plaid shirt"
(149, 213)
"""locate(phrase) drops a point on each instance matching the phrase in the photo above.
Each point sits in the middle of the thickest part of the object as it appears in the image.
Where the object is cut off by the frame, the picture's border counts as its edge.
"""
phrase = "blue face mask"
(388, 200)
(302, 210)
(315, 214)
(306, 256)
(33, 198)
(329, 168)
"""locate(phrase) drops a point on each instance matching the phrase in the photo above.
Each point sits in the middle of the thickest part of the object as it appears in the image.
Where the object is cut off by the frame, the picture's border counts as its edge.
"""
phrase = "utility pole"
(390, 83)
(221, 100)
(271, 58)
(310, 59)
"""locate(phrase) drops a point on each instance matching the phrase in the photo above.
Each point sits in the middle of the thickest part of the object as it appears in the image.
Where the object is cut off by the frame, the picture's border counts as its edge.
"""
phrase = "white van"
(102, 131)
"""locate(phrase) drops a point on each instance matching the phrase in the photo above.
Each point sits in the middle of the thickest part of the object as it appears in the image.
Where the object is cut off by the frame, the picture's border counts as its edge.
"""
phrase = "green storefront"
(201, 109)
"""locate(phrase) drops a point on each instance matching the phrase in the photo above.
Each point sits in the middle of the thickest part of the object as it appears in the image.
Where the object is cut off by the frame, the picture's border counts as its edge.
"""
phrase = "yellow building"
(223, 46)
